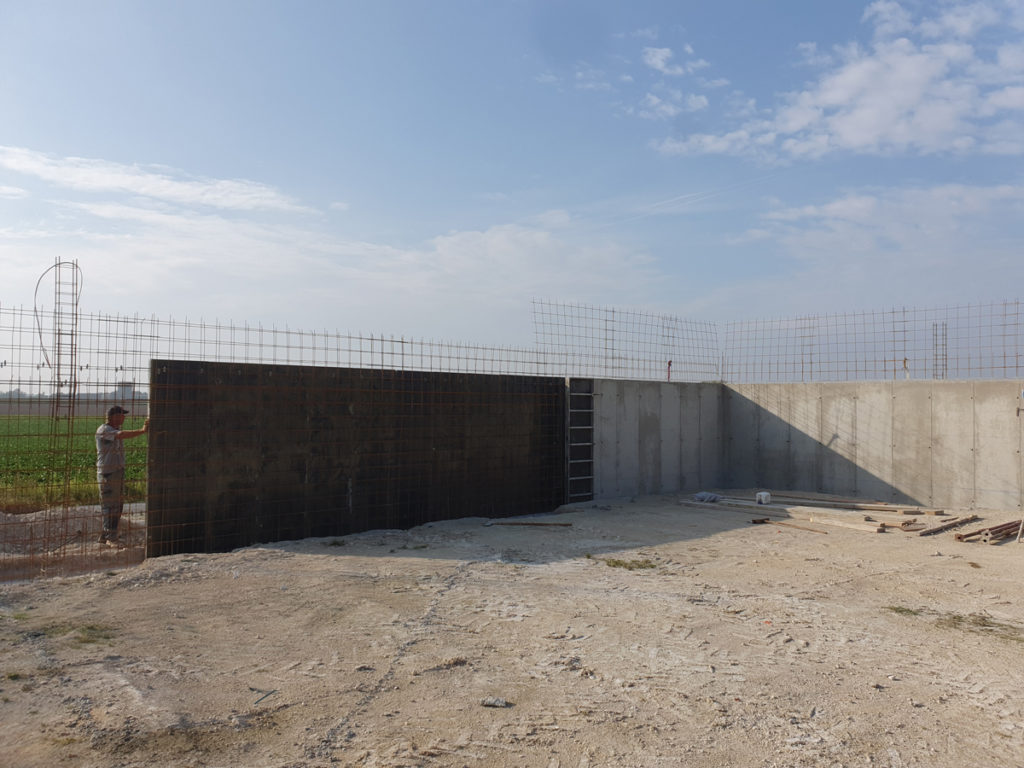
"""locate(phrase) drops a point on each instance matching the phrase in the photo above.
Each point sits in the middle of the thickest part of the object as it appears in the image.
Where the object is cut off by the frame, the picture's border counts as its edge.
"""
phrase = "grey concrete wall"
(937, 443)
(652, 437)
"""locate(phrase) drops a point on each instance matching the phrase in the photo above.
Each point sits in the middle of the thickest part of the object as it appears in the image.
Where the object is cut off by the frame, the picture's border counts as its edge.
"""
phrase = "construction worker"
(110, 469)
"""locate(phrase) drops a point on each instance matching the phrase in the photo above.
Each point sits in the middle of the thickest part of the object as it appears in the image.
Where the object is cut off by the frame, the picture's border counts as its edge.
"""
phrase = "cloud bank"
(88, 175)
(950, 83)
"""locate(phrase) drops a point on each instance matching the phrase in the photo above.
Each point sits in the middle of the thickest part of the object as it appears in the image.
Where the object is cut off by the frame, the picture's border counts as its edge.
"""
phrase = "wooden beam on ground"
(856, 525)
(810, 514)
(828, 500)
(815, 514)
(767, 521)
(947, 525)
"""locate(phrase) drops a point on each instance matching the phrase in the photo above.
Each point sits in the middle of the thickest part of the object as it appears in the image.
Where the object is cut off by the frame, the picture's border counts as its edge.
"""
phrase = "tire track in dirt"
(337, 735)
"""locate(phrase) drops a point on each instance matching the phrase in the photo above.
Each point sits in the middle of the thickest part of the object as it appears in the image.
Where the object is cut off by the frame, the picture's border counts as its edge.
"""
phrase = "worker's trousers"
(111, 500)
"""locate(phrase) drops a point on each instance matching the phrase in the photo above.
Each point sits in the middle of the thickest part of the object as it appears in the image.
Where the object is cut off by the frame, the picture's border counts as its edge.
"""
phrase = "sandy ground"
(641, 634)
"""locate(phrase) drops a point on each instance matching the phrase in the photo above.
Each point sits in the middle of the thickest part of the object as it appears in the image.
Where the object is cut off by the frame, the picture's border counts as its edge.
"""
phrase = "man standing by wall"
(110, 469)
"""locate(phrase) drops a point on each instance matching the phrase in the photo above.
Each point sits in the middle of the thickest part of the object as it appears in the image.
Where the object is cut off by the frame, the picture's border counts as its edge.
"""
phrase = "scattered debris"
(993, 533)
(457, 661)
(494, 701)
(764, 520)
(955, 522)
(265, 694)
(706, 497)
(629, 565)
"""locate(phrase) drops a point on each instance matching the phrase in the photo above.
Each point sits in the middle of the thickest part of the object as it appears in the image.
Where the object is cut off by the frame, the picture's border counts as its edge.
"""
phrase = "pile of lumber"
(993, 534)
(829, 510)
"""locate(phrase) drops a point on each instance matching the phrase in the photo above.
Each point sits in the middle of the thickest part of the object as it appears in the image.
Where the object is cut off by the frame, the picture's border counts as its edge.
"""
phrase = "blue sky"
(425, 169)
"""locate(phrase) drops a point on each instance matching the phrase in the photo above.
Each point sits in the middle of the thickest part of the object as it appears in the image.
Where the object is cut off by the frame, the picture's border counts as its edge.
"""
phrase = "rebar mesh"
(59, 371)
(973, 341)
(592, 342)
(51, 404)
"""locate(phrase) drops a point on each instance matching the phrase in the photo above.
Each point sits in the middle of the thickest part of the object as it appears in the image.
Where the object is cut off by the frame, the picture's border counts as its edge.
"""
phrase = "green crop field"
(36, 470)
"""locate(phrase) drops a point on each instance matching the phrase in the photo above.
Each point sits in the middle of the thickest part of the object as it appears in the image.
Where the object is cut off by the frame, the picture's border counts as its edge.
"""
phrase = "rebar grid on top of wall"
(596, 342)
(972, 341)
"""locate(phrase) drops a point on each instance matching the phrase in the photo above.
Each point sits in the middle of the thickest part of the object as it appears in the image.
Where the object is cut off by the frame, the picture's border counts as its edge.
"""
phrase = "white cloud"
(740, 106)
(890, 18)
(735, 142)
(963, 21)
(89, 175)
(1011, 58)
(658, 59)
(12, 193)
(922, 88)
(695, 102)
(925, 246)
(1008, 98)
(589, 79)
(556, 218)
(812, 56)
(191, 263)
(673, 102)
(926, 228)
(339, 205)
(1005, 138)
(655, 108)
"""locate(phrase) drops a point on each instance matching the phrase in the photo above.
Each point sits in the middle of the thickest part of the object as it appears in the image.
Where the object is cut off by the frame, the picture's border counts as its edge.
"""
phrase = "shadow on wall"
(939, 443)
(836, 439)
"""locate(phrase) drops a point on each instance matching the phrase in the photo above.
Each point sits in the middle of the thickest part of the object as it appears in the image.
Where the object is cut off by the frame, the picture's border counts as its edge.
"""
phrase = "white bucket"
(763, 497)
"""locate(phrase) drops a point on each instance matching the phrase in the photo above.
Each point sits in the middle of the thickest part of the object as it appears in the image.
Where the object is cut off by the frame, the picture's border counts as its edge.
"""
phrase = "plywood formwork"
(244, 453)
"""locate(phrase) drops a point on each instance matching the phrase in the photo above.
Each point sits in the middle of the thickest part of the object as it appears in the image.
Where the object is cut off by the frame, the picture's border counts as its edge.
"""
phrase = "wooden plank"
(872, 507)
(797, 510)
(719, 507)
(947, 525)
(810, 514)
(767, 521)
(852, 524)
(867, 506)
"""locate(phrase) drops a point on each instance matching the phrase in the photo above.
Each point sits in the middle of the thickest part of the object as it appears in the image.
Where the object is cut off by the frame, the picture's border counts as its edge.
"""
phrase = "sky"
(428, 169)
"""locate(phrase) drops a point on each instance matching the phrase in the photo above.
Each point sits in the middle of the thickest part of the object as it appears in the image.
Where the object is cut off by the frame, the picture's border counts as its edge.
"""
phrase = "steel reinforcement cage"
(59, 371)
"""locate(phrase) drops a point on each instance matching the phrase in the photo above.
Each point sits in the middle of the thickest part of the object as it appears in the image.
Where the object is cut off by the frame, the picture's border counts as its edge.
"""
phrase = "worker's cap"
(114, 409)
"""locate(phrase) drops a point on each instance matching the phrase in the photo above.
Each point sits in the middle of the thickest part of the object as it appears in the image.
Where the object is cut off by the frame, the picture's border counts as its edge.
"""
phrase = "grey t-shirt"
(109, 450)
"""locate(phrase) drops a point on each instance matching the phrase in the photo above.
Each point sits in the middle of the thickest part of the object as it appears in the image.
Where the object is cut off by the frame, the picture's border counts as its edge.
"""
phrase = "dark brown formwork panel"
(244, 453)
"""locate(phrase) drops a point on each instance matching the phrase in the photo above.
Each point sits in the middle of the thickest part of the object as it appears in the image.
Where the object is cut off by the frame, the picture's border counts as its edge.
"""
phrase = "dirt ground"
(640, 633)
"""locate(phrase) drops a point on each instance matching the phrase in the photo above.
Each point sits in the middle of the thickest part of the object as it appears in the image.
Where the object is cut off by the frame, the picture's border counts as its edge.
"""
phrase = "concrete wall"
(936, 443)
(652, 437)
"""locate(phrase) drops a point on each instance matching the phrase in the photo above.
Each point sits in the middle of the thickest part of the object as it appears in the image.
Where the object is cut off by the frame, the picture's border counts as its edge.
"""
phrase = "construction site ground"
(635, 633)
